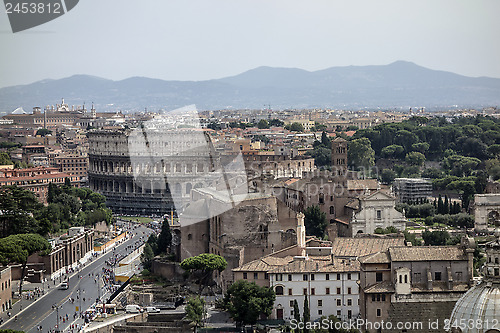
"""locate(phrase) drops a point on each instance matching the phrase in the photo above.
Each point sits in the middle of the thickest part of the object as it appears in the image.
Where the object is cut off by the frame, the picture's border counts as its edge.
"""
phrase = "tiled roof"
(357, 247)
(263, 264)
(318, 266)
(362, 184)
(381, 287)
(375, 258)
(426, 253)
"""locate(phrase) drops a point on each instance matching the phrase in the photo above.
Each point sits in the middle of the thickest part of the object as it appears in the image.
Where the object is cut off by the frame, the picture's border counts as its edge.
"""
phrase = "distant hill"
(400, 84)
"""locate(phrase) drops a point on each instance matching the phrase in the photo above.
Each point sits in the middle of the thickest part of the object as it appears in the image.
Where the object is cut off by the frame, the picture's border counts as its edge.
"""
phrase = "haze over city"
(200, 40)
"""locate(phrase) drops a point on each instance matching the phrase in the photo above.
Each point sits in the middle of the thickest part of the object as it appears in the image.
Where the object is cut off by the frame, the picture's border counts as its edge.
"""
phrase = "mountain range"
(398, 85)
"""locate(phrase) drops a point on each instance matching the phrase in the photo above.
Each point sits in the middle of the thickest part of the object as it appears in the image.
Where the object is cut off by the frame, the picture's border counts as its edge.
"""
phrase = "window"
(383, 297)
(266, 276)
(339, 302)
(279, 290)
(349, 302)
(339, 313)
(291, 303)
(373, 298)
(313, 291)
(332, 210)
(279, 277)
(327, 291)
(290, 291)
(401, 279)
(338, 290)
(304, 291)
(328, 276)
(378, 277)
(255, 276)
(406, 278)
(349, 290)
(289, 277)
(320, 312)
(349, 276)
(304, 277)
(338, 276)
(245, 276)
(312, 277)
(497, 272)
(320, 302)
(379, 214)
(379, 312)
(349, 314)
(437, 276)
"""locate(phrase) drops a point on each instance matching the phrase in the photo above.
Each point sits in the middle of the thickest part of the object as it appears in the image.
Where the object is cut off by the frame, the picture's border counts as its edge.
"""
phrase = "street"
(85, 287)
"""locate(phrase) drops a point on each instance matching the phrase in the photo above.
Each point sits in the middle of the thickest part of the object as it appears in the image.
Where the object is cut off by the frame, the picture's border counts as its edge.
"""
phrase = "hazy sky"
(206, 39)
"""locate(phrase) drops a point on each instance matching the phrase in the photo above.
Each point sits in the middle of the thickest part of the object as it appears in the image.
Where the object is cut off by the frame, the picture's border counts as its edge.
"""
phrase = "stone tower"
(339, 157)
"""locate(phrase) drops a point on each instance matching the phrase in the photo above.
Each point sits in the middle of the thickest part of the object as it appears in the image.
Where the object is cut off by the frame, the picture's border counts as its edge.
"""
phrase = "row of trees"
(156, 245)
(67, 206)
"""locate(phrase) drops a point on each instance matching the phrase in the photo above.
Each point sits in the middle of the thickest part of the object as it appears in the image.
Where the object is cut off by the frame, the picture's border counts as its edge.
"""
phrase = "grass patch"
(139, 219)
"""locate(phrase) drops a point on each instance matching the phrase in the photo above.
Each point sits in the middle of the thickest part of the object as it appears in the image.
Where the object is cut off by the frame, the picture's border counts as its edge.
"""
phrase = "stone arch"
(493, 217)
(360, 232)
(279, 290)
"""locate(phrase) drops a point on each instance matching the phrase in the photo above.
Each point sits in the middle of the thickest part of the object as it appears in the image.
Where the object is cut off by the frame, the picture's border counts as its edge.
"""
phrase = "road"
(83, 288)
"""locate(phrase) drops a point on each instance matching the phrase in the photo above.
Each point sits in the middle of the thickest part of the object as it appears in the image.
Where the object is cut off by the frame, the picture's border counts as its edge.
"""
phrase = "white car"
(152, 309)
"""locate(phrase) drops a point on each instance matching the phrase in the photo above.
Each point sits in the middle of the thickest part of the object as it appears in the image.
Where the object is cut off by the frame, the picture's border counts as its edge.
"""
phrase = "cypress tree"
(296, 310)
(307, 313)
(440, 205)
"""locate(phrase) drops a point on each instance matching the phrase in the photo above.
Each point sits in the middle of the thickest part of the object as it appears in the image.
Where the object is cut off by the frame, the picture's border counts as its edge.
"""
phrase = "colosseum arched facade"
(148, 177)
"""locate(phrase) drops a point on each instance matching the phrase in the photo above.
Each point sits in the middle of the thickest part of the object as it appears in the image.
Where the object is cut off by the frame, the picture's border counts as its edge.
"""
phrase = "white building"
(374, 211)
(330, 286)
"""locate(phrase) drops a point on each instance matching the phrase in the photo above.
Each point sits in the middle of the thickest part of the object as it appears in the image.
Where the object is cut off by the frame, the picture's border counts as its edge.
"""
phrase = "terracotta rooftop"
(375, 258)
(381, 287)
(263, 264)
(357, 247)
(318, 265)
(426, 253)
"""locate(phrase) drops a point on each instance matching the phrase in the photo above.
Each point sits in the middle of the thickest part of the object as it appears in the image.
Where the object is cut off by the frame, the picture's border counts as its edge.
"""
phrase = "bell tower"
(339, 157)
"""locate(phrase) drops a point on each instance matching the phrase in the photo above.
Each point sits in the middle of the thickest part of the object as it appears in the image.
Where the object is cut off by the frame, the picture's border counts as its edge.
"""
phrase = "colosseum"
(150, 172)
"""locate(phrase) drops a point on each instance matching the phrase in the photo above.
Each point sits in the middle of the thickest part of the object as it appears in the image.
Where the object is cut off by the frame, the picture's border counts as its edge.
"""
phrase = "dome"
(478, 310)
(481, 302)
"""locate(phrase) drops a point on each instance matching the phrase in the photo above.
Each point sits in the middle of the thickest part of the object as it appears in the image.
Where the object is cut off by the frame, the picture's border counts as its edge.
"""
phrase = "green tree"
(43, 132)
(246, 301)
(360, 153)
(315, 221)
(295, 127)
(17, 207)
(420, 147)
(435, 238)
(263, 124)
(5, 159)
(393, 151)
(296, 310)
(415, 158)
(195, 311)
(307, 313)
(460, 166)
(276, 123)
(387, 176)
(147, 257)
(165, 239)
(325, 140)
(204, 265)
(17, 249)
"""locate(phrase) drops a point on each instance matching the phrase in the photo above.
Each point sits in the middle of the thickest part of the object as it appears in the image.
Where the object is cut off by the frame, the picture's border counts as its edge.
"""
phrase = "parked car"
(152, 309)
(64, 286)
(133, 308)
